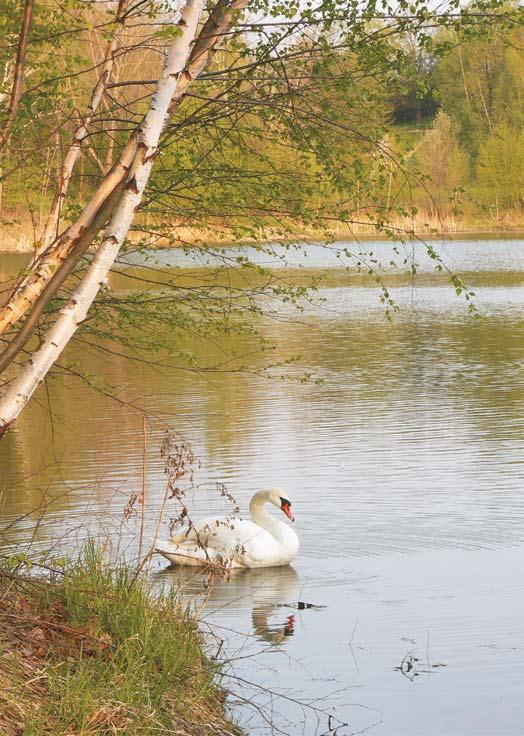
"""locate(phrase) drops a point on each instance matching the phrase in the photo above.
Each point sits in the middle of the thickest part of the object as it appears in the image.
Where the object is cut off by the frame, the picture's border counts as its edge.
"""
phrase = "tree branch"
(29, 288)
(81, 133)
(18, 81)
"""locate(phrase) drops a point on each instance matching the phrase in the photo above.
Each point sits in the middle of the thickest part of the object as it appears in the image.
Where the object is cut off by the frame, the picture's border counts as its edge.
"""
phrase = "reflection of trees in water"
(81, 443)
(426, 366)
(440, 358)
(267, 592)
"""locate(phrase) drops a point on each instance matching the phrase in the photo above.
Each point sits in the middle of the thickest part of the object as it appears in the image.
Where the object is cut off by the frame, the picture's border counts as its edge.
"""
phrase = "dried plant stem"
(144, 486)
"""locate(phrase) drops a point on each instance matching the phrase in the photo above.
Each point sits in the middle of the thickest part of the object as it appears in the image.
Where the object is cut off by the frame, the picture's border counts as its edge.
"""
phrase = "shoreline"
(90, 648)
(24, 248)
(18, 235)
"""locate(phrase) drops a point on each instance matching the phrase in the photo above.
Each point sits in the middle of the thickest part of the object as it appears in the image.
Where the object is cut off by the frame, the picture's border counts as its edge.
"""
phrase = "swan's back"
(241, 541)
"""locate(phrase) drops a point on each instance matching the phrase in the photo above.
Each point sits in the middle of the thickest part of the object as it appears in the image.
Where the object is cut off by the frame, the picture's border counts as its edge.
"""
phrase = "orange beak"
(286, 508)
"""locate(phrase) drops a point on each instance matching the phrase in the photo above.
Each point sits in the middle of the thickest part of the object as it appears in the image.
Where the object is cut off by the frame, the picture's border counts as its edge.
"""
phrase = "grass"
(92, 651)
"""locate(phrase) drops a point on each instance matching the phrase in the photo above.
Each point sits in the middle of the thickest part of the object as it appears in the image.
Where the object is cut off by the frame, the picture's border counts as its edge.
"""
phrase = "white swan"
(234, 542)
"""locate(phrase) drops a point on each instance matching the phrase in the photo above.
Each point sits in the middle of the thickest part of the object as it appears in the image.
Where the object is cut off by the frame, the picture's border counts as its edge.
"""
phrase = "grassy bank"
(91, 651)
(19, 235)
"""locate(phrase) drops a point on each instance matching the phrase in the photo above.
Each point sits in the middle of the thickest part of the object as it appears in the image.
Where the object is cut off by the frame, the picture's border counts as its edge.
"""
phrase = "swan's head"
(278, 498)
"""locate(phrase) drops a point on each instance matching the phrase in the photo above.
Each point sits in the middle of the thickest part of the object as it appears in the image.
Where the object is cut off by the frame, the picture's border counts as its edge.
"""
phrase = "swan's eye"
(285, 505)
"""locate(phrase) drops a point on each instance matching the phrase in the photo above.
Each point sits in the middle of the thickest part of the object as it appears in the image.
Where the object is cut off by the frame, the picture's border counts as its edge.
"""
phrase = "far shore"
(18, 238)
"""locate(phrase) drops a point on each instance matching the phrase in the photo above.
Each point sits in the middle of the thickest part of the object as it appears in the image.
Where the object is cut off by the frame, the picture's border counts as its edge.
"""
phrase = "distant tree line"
(466, 113)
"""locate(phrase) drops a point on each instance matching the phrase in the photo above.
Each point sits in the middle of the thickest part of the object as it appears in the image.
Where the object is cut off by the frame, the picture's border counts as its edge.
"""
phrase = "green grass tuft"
(96, 651)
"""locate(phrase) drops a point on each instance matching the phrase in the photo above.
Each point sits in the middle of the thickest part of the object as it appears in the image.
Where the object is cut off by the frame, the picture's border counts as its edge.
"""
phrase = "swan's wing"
(196, 533)
(188, 553)
(242, 541)
(227, 533)
(213, 532)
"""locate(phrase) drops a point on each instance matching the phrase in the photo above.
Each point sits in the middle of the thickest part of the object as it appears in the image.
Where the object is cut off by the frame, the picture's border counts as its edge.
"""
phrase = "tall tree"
(295, 89)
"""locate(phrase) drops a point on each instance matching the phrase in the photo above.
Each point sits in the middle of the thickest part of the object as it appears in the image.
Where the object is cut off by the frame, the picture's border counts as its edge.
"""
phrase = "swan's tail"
(187, 553)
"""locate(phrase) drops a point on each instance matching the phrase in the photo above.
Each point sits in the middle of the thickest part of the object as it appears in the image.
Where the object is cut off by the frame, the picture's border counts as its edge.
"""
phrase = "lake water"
(405, 465)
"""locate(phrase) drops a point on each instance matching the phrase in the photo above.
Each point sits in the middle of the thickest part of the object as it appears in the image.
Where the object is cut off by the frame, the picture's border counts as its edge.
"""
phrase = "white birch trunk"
(72, 315)
(72, 155)
(28, 290)
(218, 23)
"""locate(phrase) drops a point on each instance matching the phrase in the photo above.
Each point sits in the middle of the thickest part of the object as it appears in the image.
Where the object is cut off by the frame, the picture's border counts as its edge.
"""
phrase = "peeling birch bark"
(57, 279)
(72, 315)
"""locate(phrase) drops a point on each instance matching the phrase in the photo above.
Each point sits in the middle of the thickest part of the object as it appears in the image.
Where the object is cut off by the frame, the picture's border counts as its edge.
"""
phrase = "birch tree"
(19, 69)
(185, 59)
(81, 133)
(175, 66)
(281, 126)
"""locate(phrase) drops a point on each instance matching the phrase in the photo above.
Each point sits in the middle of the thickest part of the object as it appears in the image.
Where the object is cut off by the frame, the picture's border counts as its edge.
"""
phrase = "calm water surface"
(405, 466)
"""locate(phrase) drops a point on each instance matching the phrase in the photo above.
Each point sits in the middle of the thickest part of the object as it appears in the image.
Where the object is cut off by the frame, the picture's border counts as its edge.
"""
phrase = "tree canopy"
(133, 125)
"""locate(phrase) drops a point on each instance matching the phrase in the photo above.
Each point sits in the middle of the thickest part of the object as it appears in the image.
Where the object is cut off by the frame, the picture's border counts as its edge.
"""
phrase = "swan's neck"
(258, 512)
(278, 529)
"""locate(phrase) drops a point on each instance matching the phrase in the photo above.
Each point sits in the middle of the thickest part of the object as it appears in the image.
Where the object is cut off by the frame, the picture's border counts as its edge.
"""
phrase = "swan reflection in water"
(270, 593)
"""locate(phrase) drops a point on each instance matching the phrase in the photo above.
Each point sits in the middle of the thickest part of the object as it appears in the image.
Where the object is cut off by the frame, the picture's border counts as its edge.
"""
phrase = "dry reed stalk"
(143, 494)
